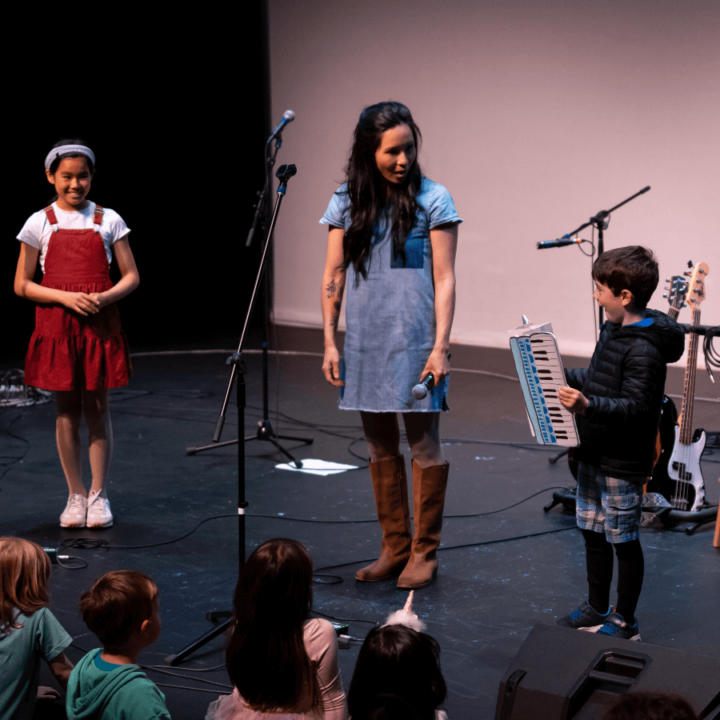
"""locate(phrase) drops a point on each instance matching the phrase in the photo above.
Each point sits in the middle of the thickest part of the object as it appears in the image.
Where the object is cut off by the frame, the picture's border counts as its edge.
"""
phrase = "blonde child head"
(24, 575)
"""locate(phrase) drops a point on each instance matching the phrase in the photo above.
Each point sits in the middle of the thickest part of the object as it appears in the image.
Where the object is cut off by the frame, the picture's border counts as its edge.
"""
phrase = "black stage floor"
(489, 592)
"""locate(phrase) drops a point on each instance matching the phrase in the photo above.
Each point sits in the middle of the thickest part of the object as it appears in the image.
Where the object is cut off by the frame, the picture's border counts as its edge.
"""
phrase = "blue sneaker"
(585, 618)
(616, 627)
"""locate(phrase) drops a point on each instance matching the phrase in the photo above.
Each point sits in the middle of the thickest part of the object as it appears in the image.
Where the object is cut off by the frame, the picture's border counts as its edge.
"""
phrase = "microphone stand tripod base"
(265, 432)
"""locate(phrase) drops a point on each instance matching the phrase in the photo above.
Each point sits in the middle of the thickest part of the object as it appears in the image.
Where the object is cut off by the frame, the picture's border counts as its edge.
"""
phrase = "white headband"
(64, 150)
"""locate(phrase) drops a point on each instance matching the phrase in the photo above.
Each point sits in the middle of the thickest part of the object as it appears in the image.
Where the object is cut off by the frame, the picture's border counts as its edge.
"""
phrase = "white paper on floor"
(318, 467)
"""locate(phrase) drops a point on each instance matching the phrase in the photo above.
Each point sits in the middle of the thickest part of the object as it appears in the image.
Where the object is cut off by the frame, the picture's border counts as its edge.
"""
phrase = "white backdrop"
(535, 115)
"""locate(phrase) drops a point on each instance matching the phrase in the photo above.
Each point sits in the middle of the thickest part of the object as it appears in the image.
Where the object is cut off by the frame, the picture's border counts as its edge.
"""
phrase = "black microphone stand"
(284, 173)
(600, 221)
(265, 430)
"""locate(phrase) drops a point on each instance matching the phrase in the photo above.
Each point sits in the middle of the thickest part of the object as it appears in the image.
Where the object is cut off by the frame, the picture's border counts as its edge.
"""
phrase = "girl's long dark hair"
(266, 657)
(400, 661)
(365, 189)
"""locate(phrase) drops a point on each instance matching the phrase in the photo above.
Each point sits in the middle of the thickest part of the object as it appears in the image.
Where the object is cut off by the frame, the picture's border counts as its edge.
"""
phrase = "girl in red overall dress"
(78, 348)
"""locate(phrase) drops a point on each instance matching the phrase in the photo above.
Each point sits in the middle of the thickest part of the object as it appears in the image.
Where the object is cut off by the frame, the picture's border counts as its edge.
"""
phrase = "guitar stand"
(566, 497)
(698, 518)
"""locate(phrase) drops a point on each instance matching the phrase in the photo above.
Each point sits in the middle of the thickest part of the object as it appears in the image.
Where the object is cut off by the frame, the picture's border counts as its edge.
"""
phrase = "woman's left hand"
(437, 364)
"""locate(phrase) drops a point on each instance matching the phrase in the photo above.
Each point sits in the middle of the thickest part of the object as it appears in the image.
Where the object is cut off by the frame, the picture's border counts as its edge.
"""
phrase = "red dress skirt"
(67, 350)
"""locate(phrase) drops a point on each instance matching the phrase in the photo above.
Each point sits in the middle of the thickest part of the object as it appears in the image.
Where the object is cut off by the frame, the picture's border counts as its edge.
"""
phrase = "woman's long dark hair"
(400, 661)
(266, 657)
(365, 189)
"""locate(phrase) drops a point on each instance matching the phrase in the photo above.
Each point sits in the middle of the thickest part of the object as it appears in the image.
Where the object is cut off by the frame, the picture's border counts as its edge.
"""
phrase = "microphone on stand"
(288, 117)
(425, 386)
(562, 242)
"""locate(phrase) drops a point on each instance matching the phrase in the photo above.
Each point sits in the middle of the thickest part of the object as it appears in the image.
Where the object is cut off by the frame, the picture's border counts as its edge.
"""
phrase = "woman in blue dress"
(392, 241)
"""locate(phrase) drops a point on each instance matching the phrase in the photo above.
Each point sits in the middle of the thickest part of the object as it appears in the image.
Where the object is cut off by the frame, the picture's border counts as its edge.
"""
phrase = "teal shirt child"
(40, 637)
(99, 690)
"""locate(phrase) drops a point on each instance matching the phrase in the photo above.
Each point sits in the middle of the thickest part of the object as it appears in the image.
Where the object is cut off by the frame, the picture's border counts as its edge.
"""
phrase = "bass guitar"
(688, 491)
(676, 294)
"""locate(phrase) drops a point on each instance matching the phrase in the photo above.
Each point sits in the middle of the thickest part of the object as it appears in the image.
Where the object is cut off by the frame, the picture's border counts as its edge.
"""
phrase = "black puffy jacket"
(625, 384)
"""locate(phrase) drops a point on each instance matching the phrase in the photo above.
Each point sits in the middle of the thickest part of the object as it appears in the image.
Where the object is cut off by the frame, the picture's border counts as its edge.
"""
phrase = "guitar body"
(661, 482)
(688, 491)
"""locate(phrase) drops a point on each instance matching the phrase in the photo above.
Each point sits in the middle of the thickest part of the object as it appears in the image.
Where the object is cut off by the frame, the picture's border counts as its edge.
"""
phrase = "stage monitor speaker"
(560, 673)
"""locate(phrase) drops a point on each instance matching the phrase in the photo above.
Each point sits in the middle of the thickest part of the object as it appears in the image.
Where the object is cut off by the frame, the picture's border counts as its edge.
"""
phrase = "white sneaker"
(75, 511)
(98, 510)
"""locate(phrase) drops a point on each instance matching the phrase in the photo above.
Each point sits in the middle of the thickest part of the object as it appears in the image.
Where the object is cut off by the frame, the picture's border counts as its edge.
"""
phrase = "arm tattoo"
(331, 288)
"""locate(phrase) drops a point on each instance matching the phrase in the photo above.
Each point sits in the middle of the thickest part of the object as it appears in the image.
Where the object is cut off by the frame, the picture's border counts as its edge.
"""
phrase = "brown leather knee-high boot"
(391, 497)
(429, 486)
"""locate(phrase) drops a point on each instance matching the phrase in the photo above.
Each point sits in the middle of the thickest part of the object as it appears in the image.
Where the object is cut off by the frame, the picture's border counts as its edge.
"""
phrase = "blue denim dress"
(390, 315)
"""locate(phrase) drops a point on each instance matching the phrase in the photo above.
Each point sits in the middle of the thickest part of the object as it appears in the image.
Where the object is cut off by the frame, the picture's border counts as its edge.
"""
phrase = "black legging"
(631, 569)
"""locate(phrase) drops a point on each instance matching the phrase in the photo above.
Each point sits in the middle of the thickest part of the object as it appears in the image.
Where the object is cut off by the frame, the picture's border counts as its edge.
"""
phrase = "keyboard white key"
(541, 374)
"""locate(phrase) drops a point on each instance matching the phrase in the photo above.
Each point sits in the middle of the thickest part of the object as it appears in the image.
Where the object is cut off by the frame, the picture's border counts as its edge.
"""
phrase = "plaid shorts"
(607, 504)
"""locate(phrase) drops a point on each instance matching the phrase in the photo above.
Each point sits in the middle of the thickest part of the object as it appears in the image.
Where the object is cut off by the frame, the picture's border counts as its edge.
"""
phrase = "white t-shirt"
(37, 230)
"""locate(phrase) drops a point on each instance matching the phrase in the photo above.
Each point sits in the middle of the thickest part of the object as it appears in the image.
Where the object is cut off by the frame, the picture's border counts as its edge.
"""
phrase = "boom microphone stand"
(284, 173)
(265, 430)
(600, 220)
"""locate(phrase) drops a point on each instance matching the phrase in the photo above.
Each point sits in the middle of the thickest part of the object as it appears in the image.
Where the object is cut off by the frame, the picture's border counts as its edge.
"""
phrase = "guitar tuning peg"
(688, 274)
(690, 263)
(667, 279)
(701, 271)
(665, 294)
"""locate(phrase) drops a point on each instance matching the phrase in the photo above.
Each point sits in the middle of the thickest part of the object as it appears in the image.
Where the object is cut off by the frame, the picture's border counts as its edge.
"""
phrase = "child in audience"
(387, 707)
(398, 660)
(123, 610)
(650, 706)
(28, 630)
(281, 661)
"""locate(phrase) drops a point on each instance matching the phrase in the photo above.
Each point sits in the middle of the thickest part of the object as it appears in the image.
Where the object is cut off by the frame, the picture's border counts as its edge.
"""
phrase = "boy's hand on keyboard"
(573, 400)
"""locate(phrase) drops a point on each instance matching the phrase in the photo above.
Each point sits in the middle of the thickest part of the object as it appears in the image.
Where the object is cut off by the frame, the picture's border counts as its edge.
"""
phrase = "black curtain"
(177, 116)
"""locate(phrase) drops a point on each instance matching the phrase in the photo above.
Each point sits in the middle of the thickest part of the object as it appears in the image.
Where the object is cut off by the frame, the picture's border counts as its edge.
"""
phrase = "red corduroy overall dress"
(67, 350)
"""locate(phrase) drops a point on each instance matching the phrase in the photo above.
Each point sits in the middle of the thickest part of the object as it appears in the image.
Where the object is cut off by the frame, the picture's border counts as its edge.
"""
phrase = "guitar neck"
(686, 421)
(674, 312)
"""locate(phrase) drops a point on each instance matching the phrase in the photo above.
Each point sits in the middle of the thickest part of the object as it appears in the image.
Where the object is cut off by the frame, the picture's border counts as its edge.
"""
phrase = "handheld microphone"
(288, 117)
(562, 242)
(425, 386)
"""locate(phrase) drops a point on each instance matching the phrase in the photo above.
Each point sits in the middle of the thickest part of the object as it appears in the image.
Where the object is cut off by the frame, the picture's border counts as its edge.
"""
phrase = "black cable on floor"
(162, 670)
(342, 619)
(187, 687)
(15, 458)
(94, 543)
(465, 545)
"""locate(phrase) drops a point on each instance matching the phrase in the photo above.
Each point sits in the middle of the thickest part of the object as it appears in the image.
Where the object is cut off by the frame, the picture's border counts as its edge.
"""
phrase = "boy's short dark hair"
(117, 604)
(632, 268)
(651, 706)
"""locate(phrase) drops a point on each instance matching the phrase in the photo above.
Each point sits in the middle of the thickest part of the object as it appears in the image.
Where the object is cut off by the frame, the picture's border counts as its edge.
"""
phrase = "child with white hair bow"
(400, 660)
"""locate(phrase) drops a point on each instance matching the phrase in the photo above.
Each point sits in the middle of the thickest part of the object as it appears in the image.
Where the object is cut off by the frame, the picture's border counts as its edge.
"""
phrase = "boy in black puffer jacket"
(617, 401)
